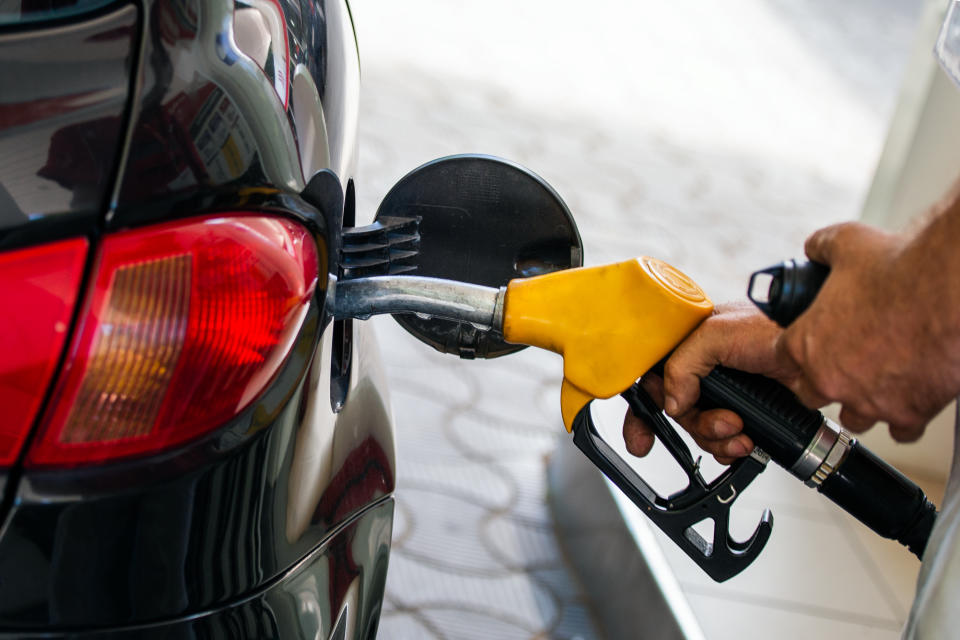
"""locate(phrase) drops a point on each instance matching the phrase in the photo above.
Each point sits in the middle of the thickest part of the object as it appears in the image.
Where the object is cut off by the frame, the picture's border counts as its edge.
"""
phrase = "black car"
(190, 446)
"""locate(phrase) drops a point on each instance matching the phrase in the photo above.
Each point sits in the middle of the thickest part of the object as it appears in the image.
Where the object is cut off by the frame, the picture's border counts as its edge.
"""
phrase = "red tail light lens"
(38, 287)
(184, 326)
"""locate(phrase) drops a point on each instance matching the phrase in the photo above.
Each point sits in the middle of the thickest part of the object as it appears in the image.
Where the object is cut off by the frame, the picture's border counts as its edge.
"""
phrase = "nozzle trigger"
(677, 514)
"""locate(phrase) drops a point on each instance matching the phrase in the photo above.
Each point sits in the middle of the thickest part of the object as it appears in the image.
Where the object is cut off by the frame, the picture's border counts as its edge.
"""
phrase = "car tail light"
(38, 289)
(184, 325)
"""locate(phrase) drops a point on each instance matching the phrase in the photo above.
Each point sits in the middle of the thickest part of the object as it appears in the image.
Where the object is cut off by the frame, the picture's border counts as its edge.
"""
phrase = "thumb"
(736, 335)
(693, 359)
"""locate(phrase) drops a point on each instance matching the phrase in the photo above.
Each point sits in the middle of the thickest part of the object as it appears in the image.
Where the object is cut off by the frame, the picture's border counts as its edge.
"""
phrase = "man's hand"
(736, 335)
(882, 338)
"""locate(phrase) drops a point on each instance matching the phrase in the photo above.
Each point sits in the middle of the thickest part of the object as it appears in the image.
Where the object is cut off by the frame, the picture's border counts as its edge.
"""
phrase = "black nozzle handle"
(785, 290)
(801, 440)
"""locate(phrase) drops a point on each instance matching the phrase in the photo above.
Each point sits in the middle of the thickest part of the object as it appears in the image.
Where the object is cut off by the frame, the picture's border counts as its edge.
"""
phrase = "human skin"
(882, 338)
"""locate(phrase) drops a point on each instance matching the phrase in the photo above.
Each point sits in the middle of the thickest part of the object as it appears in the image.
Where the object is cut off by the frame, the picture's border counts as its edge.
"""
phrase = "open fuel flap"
(473, 219)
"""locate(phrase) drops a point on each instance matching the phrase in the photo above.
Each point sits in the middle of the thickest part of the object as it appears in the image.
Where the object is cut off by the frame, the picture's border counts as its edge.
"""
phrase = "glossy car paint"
(215, 82)
(347, 571)
(61, 122)
(278, 523)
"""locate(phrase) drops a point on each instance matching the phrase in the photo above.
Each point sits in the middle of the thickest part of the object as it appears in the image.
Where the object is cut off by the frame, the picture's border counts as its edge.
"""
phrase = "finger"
(737, 447)
(845, 242)
(724, 429)
(822, 245)
(714, 425)
(653, 385)
(693, 359)
(637, 436)
(719, 432)
(726, 451)
(855, 421)
(906, 433)
(737, 335)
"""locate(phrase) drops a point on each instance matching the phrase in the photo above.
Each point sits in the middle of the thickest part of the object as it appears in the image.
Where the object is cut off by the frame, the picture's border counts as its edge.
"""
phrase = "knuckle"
(846, 228)
(673, 369)
(826, 384)
(713, 430)
(819, 239)
(845, 232)
(677, 379)
(820, 245)
(717, 429)
(702, 430)
(792, 345)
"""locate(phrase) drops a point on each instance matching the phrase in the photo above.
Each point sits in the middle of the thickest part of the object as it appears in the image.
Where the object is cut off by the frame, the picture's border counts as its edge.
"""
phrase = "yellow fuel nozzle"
(610, 323)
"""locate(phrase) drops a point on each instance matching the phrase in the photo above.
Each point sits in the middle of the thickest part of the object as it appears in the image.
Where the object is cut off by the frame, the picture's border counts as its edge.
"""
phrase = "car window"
(18, 11)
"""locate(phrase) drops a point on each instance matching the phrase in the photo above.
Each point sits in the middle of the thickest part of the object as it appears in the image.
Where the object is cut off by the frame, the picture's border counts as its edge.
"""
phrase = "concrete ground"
(715, 136)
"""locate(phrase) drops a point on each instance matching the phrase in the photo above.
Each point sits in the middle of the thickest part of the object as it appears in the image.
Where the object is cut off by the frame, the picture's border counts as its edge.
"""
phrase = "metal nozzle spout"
(364, 297)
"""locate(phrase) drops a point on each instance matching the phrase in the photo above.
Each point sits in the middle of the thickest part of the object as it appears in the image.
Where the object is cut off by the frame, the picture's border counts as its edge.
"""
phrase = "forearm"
(931, 259)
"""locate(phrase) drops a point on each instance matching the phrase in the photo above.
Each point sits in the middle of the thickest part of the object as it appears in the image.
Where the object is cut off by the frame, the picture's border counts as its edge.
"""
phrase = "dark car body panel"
(177, 149)
(334, 592)
(217, 537)
(61, 123)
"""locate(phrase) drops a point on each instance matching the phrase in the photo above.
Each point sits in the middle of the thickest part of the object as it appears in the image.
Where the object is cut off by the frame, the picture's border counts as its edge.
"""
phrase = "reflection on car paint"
(334, 472)
(259, 29)
(179, 110)
(219, 136)
(60, 122)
